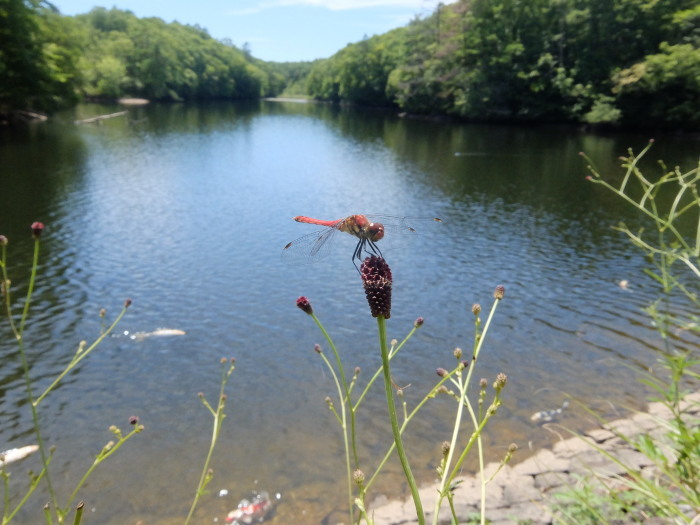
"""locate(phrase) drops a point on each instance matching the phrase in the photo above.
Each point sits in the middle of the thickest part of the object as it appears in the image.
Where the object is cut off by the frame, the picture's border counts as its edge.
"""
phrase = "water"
(186, 209)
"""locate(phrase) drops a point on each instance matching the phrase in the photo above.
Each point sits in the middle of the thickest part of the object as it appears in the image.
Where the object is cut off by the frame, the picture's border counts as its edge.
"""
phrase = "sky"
(275, 30)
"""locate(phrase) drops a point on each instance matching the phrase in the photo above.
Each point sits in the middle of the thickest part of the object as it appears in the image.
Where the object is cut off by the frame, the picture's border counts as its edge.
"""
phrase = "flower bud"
(377, 280)
(133, 420)
(476, 309)
(304, 305)
(441, 372)
(500, 382)
(317, 348)
(483, 383)
(127, 303)
(457, 353)
(3, 240)
(445, 448)
(499, 292)
(418, 322)
(358, 477)
(37, 229)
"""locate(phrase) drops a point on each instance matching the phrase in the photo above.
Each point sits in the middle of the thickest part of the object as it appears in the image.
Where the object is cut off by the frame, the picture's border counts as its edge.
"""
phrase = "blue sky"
(279, 30)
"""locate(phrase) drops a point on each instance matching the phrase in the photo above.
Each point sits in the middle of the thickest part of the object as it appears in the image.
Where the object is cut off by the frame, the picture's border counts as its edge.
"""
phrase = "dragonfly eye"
(376, 231)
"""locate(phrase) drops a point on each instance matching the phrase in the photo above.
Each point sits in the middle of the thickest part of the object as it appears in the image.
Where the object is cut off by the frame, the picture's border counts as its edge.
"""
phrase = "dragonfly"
(366, 228)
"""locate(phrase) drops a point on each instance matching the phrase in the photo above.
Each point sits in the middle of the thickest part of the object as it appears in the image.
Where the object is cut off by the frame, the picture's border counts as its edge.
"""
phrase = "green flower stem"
(81, 354)
(463, 385)
(106, 452)
(19, 333)
(219, 417)
(392, 353)
(415, 411)
(79, 513)
(342, 419)
(7, 518)
(381, 323)
(344, 394)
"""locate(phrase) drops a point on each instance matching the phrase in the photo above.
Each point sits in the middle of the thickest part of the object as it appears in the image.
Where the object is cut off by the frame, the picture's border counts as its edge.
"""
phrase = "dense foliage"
(48, 60)
(594, 61)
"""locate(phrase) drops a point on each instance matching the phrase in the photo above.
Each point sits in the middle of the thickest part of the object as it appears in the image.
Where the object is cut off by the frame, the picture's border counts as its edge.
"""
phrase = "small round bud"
(317, 348)
(441, 372)
(476, 309)
(127, 303)
(3, 240)
(418, 322)
(483, 383)
(103, 312)
(37, 229)
(499, 292)
(500, 382)
(223, 360)
(304, 305)
(465, 364)
(399, 392)
(457, 353)
(358, 477)
(445, 447)
(357, 370)
(133, 420)
(442, 389)
(200, 395)
(512, 447)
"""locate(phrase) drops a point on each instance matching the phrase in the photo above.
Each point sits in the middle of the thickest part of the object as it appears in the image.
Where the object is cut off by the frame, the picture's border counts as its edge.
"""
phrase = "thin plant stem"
(344, 427)
(381, 323)
(463, 385)
(219, 416)
(343, 393)
(106, 452)
(19, 335)
(81, 354)
(79, 513)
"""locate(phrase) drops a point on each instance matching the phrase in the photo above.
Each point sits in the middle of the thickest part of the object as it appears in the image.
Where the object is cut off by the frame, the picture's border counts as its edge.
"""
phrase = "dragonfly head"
(375, 231)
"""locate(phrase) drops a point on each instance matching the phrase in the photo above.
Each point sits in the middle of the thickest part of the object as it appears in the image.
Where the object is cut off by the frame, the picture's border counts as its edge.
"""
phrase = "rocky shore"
(522, 493)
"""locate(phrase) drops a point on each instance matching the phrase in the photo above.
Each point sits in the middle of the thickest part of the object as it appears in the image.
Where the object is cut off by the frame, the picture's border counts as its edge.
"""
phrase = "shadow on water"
(186, 208)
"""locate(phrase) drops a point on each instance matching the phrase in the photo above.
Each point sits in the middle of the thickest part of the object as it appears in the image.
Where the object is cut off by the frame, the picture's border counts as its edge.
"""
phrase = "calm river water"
(186, 209)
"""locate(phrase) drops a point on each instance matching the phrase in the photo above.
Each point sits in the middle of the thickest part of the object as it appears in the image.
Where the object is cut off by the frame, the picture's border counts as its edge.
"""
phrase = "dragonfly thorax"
(361, 227)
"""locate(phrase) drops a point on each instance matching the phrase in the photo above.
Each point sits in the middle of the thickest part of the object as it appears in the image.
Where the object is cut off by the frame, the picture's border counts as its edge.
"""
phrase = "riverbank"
(523, 493)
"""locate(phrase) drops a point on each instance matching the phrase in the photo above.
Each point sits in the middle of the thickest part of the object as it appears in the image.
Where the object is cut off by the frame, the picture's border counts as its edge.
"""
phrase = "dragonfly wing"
(311, 247)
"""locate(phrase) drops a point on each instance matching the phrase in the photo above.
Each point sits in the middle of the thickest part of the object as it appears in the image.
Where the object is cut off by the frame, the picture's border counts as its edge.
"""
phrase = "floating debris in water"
(624, 284)
(158, 332)
(223, 492)
(546, 416)
(15, 454)
(252, 510)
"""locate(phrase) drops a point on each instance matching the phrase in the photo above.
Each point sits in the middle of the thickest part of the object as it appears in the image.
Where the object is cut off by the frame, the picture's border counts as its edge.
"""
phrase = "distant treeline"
(48, 60)
(593, 61)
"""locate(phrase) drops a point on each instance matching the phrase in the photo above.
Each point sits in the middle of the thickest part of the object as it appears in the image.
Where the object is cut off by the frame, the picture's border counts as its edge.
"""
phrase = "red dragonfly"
(366, 228)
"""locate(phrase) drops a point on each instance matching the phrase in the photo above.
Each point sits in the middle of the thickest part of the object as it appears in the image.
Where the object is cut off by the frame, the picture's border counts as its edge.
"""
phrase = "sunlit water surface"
(186, 209)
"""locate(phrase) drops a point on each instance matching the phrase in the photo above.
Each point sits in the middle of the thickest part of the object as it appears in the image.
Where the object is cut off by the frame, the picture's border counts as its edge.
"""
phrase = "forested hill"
(48, 60)
(635, 62)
